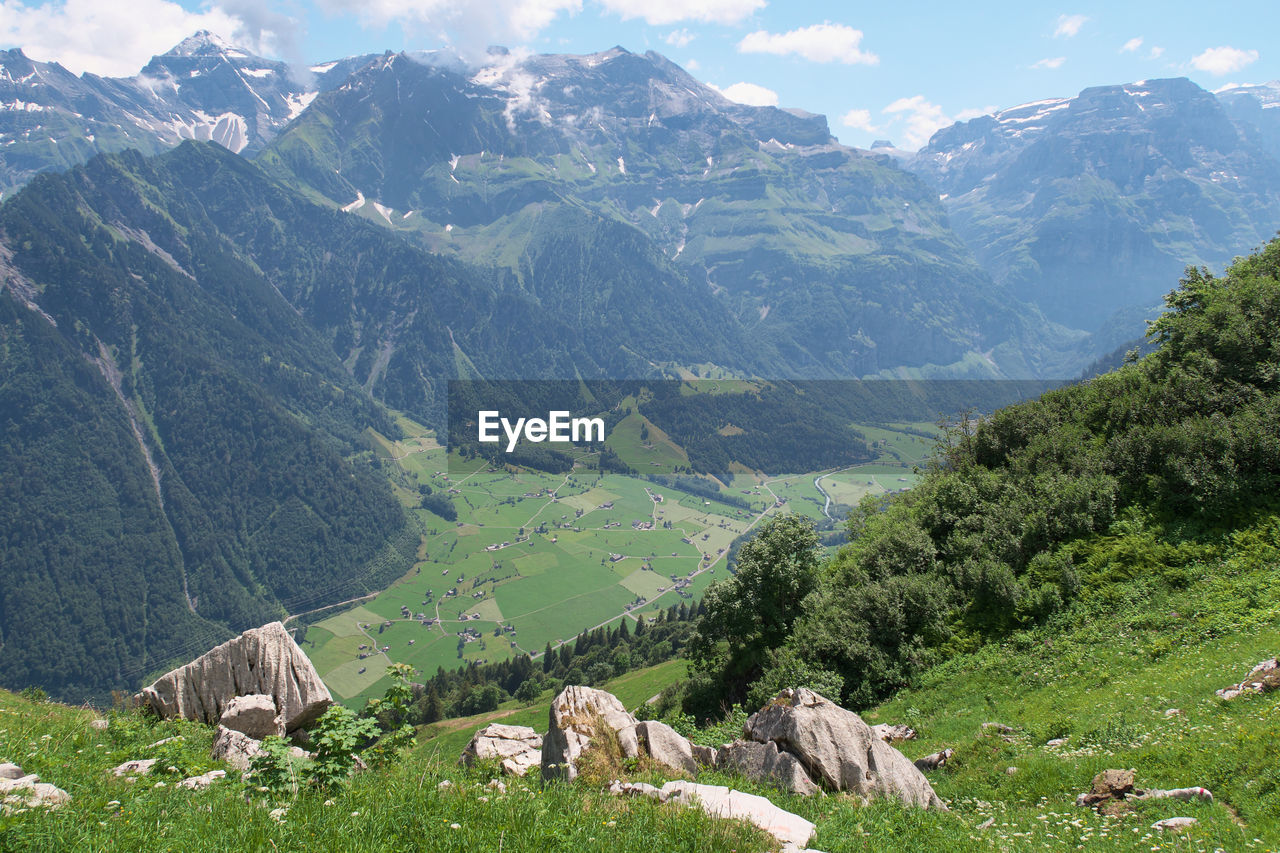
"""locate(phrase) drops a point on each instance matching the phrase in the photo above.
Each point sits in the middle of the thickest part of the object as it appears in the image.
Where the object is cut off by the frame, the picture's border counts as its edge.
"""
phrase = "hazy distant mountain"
(1087, 205)
(201, 89)
(1256, 110)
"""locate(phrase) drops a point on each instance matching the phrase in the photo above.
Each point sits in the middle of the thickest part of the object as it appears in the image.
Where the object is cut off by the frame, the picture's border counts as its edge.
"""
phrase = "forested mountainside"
(1155, 477)
(1090, 205)
(176, 436)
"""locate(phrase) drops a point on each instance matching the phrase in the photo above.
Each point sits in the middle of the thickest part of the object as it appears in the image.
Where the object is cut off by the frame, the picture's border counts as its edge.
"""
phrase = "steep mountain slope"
(201, 89)
(174, 437)
(835, 264)
(1087, 205)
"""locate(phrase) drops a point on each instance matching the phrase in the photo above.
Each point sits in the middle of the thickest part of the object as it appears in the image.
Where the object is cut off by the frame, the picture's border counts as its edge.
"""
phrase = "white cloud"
(692, 65)
(824, 42)
(679, 38)
(1132, 45)
(106, 36)
(859, 120)
(922, 119)
(966, 115)
(1223, 60)
(1052, 62)
(750, 94)
(1156, 53)
(661, 12)
(1069, 25)
(469, 26)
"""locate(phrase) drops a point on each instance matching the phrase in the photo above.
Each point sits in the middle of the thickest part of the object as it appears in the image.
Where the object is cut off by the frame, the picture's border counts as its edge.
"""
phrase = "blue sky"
(876, 70)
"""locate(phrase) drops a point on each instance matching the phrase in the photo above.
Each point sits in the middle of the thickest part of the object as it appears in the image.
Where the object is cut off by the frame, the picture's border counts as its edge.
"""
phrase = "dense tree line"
(698, 487)
(1022, 513)
(592, 658)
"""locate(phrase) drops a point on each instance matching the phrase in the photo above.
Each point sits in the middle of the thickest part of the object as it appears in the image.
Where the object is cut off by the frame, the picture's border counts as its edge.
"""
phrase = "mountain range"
(203, 89)
(196, 337)
(1090, 205)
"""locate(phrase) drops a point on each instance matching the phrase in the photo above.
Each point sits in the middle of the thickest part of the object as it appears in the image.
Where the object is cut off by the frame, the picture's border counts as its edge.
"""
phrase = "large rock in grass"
(517, 748)
(254, 715)
(264, 660)
(235, 748)
(667, 746)
(765, 763)
(578, 716)
(838, 749)
(790, 829)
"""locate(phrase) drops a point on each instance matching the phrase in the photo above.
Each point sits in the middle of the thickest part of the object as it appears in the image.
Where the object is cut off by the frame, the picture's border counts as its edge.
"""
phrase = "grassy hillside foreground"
(1102, 677)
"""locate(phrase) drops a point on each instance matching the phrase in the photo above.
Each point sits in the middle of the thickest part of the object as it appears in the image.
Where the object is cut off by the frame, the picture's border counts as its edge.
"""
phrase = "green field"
(536, 558)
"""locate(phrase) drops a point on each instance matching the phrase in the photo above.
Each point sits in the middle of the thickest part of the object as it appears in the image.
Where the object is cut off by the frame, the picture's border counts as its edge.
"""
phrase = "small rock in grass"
(140, 767)
(196, 783)
(28, 792)
(893, 733)
(1174, 823)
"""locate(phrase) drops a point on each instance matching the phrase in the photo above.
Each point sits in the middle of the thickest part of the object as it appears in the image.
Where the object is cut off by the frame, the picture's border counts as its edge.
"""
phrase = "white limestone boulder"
(516, 748)
(204, 780)
(667, 746)
(254, 715)
(20, 790)
(138, 767)
(263, 660)
(235, 748)
(722, 802)
(573, 722)
(764, 762)
(838, 749)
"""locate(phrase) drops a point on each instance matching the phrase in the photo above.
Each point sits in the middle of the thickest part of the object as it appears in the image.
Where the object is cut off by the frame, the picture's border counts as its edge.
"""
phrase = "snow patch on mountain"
(298, 101)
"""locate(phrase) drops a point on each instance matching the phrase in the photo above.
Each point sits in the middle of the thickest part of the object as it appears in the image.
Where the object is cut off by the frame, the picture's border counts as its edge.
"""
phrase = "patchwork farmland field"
(536, 558)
